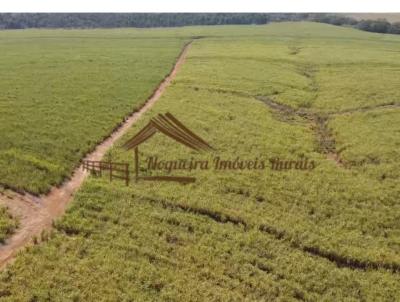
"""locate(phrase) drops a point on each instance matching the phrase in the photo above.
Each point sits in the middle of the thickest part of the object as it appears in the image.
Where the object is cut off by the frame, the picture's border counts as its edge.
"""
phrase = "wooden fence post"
(136, 163)
(127, 174)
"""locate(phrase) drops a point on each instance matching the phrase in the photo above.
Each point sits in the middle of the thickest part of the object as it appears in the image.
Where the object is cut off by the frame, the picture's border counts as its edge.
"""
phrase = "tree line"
(110, 20)
(377, 26)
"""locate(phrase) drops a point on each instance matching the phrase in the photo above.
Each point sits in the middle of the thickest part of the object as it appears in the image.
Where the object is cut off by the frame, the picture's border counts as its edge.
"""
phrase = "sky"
(366, 6)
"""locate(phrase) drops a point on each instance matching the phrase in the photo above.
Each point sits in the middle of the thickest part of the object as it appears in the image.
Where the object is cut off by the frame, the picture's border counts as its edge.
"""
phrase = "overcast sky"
(199, 6)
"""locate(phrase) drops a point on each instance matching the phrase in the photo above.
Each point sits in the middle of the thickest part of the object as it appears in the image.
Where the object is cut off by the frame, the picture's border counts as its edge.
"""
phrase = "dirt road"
(37, 213)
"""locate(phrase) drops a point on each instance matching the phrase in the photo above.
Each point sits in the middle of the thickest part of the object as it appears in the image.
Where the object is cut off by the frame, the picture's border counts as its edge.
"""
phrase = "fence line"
(97, 168)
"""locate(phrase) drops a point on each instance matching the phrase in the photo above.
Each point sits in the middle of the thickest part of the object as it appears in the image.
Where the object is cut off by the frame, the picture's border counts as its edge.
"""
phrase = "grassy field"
(8, 224)
(64, 91)
(329, 234)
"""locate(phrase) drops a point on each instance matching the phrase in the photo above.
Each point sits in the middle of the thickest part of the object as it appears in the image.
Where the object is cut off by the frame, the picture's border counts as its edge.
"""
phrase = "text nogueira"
(219, 164)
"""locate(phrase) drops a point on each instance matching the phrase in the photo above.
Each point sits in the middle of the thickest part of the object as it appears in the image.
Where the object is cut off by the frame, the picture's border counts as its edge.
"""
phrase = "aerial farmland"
(279, 144)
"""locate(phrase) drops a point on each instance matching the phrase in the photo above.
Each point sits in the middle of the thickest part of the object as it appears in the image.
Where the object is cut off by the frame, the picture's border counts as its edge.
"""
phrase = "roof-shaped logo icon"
(170, 126)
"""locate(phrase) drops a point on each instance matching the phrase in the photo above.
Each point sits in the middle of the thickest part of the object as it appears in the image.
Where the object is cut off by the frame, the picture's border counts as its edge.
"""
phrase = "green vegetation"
(330, 234)
(113, 20)
(368, 142)
(120, 244)
(7, 224)
(374, 22)
(63, 92)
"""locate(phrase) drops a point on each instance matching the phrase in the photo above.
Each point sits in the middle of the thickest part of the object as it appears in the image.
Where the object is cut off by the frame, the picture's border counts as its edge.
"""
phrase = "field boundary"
(37, 213)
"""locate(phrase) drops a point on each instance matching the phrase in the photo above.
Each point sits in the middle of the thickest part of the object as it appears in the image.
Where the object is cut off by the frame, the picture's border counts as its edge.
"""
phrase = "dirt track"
(37, 213)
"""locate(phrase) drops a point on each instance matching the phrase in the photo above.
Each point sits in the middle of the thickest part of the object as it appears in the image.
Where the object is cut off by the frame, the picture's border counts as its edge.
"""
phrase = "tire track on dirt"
(36, 214)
